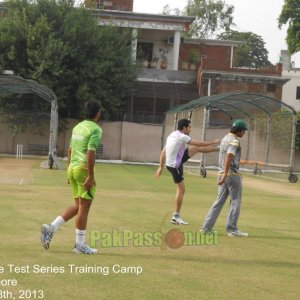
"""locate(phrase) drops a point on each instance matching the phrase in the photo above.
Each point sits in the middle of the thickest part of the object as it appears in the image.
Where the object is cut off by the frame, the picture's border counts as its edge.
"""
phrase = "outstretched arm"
(161, 162)
(204, 143)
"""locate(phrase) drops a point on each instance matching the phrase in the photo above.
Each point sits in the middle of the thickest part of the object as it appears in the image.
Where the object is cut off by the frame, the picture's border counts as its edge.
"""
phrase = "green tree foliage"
(212, 17)
(290, 14)
(61, 46)
(252, 52)
(168, 11)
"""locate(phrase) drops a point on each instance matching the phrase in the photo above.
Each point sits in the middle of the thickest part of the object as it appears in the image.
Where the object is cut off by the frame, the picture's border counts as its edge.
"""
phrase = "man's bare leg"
(179, 196)
(81, 222)
(71, 211)
(207, 149)
(176, 219)
(83, 212)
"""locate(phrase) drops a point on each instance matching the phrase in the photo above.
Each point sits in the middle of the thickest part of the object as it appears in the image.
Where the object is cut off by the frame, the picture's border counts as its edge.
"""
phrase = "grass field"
(264, 266)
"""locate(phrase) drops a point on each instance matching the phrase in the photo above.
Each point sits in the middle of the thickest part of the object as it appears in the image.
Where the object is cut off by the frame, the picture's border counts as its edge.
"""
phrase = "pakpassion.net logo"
(172, 239)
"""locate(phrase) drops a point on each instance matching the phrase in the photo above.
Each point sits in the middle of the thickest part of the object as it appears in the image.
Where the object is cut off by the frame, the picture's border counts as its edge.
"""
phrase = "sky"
(257, 16)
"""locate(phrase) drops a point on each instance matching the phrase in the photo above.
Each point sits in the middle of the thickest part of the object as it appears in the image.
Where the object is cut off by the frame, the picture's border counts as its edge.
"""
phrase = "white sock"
(80, 236)
(58, 222)
(176, 214)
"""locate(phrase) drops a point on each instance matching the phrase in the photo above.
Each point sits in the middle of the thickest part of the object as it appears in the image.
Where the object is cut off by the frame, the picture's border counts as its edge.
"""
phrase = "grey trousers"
(233, 188)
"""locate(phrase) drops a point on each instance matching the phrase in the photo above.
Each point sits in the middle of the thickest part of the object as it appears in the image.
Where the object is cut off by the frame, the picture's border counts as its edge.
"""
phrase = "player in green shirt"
(86, 137)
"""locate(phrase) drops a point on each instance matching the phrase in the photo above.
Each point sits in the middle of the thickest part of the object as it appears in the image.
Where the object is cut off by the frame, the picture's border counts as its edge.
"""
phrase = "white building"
(290, 90)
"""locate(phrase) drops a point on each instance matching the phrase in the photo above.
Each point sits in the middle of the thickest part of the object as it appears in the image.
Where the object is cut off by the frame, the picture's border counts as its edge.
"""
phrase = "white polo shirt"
(175, 147)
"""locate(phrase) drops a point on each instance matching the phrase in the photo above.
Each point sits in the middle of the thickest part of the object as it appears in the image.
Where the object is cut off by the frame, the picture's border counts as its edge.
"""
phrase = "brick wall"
(218, 58)
(222, 86)
(124, 5)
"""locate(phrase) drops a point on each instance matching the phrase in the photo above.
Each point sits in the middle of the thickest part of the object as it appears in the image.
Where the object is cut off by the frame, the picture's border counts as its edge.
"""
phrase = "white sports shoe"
(47, 235)
(84, 248)
(238, 233)
(178, 221)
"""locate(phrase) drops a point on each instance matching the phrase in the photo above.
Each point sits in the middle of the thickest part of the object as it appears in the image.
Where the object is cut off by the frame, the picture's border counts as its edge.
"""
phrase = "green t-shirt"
(85, 136)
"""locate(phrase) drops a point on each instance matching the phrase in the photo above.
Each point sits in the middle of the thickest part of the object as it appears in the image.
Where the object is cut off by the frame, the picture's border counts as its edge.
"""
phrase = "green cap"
(240, 124)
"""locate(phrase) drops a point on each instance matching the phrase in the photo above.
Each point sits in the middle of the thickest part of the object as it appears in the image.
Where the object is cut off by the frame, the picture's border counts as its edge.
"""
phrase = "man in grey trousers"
(229, 182)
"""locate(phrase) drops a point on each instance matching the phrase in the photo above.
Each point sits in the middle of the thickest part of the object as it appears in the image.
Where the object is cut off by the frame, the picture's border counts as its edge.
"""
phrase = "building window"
(144, 51)
(298, 93)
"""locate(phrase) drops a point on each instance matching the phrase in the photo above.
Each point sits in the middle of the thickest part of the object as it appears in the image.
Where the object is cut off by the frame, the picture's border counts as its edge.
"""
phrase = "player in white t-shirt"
(176, 153)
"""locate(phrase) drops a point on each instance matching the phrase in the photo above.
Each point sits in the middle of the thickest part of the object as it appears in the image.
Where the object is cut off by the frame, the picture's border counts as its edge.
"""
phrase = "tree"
(62, 47)
(290, 14)
(252, 52)
(212, 17)
(168, 11)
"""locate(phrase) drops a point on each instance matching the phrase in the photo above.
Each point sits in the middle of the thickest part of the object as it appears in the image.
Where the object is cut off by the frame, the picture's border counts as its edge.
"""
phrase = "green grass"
(264, 266)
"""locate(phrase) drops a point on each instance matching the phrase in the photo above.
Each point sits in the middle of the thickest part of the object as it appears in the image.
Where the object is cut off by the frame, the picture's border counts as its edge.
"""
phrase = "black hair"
(183, 123)
(92, 107)
(235, 129)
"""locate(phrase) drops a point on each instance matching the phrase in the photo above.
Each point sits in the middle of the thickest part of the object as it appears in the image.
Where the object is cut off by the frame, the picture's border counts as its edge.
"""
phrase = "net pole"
(269, 133)
(293, 141)
(53, 131)
(53, 135)
(175, 121)
(248, 141)
(205, 117)
(163, 132)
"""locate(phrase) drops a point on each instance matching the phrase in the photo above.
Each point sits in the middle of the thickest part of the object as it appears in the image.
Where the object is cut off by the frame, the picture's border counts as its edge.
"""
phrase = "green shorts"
(77, 176)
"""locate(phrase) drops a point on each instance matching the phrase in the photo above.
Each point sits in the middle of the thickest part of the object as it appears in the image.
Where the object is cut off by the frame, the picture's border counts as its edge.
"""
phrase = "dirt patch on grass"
(16, 171)
(282, 188)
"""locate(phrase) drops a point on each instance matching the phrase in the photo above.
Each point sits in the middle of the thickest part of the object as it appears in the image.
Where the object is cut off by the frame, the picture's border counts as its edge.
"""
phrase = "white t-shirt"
(175, 147)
